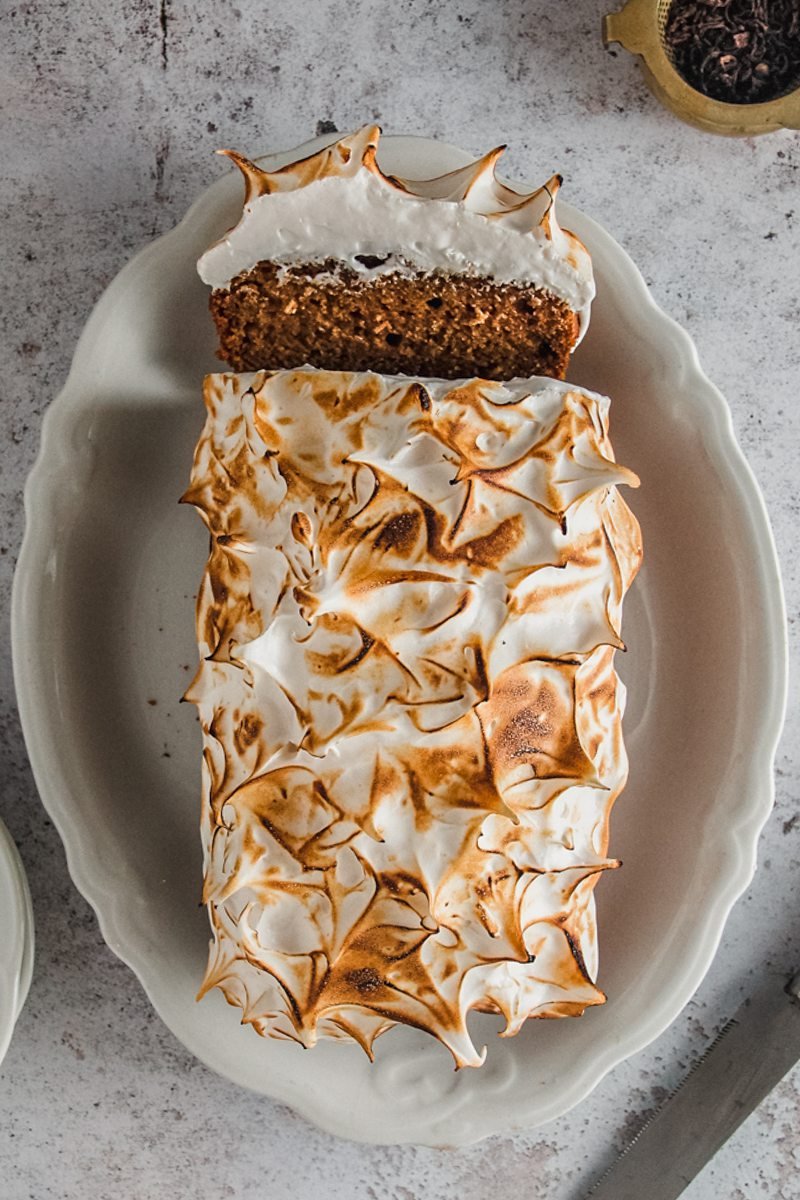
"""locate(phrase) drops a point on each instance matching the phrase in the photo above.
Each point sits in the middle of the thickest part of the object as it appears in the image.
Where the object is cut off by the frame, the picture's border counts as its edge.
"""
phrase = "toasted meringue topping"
(338, 204)
(411, 718)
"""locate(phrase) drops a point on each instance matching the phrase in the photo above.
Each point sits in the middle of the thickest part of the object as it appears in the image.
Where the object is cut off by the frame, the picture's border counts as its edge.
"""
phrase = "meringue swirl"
(338, 204)
(411, 718)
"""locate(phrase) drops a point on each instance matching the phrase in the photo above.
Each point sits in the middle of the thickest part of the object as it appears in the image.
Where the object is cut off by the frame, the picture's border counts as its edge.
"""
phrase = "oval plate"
(103, 640)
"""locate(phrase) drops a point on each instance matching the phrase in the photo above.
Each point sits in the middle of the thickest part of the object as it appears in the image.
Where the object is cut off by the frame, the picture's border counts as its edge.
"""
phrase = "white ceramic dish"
(104, 645)
(16, 945)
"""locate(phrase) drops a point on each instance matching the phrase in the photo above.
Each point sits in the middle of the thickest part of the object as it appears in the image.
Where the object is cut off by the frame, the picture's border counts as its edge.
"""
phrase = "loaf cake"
(411, 717)
(338, 265)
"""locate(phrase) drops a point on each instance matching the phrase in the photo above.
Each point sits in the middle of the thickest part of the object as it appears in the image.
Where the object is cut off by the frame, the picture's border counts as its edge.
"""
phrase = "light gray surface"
(108, 132)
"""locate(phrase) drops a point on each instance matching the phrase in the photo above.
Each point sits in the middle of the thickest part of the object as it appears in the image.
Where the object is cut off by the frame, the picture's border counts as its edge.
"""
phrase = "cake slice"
(411, 718)
(338, 265)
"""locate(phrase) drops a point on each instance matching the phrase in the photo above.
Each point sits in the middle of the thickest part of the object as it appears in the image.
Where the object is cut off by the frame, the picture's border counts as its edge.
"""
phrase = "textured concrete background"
(111, 112)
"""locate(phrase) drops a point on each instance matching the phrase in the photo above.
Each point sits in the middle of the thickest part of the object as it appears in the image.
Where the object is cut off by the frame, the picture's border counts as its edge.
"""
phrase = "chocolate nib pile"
(738, 51)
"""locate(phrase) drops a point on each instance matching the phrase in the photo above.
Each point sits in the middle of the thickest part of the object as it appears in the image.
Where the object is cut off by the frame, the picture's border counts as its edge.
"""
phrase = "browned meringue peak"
(410, 712)
(476, 185)
(343, 159)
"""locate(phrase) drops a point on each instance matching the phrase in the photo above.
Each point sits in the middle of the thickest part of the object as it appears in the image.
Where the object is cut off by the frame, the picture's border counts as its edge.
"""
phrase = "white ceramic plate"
(104, 646)
(16, 942)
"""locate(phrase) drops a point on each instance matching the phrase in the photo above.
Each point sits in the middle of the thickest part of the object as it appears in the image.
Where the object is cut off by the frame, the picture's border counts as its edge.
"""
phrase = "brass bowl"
(639, 28)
